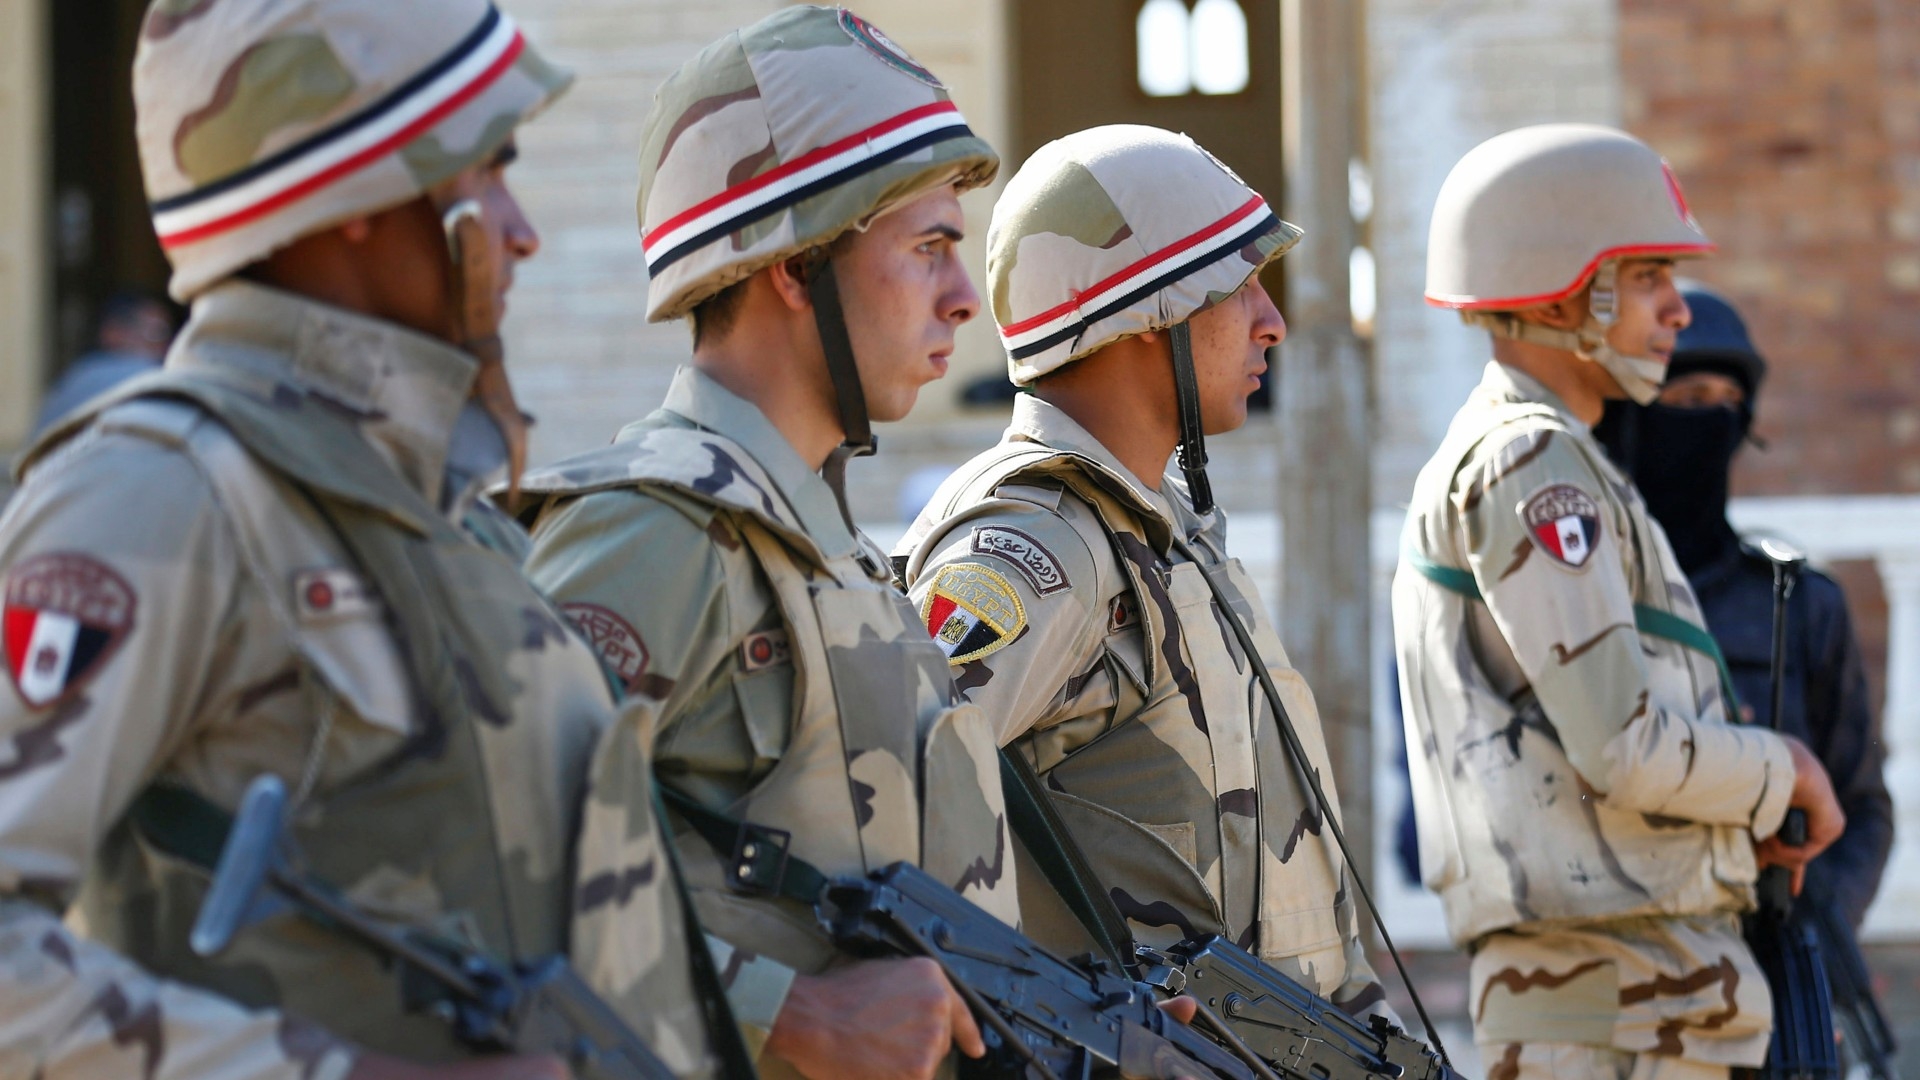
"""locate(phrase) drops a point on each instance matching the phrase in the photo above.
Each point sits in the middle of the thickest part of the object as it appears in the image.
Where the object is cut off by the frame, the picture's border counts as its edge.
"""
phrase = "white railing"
(1882, 528)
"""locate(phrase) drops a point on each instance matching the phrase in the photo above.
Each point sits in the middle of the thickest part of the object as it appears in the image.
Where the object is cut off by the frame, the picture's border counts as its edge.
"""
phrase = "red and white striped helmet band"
(320, 160)
(809, 174)
(1149, 275)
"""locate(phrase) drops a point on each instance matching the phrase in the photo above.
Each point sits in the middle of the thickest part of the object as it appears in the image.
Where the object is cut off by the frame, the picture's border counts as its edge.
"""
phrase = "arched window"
(1164, 62)
(1218, 45)
(1181, 51)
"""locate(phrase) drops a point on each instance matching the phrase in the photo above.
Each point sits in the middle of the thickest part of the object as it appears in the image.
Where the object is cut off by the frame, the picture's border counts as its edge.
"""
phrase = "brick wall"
(1795, 125)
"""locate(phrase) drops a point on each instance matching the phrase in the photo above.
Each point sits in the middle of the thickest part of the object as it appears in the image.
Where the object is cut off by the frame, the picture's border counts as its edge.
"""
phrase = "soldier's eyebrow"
(945, 231)
(508, 153)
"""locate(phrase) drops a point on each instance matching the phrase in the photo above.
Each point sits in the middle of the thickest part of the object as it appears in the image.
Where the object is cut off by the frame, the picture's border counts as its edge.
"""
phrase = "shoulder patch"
(1028, 555)
(1564, 522)
(971, 612)
(765, 649)
(65, 616)
(326, 593)
(614, 638)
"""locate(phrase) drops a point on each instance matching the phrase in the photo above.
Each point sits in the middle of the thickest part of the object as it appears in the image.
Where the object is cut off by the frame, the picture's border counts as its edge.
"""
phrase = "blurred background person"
(134, 331)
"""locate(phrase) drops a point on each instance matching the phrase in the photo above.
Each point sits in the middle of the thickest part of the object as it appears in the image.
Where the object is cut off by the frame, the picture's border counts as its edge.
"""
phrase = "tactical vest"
(876, 737)
(1193, 773)
(1683, 868)
(430, 822)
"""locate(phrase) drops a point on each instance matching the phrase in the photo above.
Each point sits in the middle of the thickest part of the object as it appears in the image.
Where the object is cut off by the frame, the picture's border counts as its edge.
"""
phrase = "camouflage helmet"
(778, 138)
(1115, 231)
(262, 121)
(1535, 215)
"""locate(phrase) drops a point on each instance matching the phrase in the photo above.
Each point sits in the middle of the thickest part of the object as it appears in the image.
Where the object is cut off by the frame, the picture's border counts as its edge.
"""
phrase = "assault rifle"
(537, 1008)
(1802, 1047)
(1299, 1033)
(1042, 1018)
(1869, 1038)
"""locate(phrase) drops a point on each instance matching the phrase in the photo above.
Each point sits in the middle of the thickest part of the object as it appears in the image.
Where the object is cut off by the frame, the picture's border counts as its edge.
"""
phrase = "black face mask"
(1679, 459)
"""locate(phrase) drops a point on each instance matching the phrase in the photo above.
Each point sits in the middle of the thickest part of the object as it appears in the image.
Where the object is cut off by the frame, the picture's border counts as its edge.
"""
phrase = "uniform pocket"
(1179, 836)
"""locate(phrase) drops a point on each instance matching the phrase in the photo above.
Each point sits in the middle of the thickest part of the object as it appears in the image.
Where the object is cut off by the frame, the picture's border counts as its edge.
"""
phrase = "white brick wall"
(1447, 74)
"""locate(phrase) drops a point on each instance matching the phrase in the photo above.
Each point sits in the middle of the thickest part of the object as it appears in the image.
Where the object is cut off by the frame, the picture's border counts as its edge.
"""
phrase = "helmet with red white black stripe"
(1116, 231)
(262, 121)
(777, 138)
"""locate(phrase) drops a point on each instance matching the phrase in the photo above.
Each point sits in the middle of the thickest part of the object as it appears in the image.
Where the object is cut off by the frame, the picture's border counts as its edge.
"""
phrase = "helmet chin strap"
(1192, 452)
(476, 312)
(823, 290)
(1639, 377)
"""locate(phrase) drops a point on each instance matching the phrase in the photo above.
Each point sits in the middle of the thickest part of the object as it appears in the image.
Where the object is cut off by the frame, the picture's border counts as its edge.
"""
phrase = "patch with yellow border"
(971, 612)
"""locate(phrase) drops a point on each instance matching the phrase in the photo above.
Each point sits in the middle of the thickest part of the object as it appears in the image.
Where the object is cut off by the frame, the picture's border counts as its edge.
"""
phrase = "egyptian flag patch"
(971, 612)
(1564, 522)
(64, 616)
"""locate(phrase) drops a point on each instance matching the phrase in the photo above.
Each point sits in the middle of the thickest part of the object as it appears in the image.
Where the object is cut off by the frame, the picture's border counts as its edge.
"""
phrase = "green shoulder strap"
(1031, 816)
(1649, 620)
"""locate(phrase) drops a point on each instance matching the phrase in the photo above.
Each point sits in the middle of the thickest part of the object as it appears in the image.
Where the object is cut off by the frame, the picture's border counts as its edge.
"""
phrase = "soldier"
(269, 557)
(1063, 574)
(1588, 809)
(798, 199)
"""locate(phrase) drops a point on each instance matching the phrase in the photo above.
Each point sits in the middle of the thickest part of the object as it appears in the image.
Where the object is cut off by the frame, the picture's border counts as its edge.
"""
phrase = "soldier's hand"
(874, 1019)
(1812, 793)
(380, 1067)
(1183, 1008)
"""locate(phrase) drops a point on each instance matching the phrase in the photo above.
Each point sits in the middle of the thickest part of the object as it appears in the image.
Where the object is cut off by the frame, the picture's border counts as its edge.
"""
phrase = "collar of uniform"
(409, 387)
(1503, 383)
(1037, 420)
(699, 399)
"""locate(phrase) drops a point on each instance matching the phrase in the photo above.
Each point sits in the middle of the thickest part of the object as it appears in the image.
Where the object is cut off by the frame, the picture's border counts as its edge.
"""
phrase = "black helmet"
(1716, 341)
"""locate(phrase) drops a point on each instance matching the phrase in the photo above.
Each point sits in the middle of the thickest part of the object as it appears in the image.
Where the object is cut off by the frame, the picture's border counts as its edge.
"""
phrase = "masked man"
(269, 558)
(798, 199)
(1588, 808)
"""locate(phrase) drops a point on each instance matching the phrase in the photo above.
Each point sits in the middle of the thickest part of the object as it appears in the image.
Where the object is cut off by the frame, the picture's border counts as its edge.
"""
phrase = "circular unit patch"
(870, 38)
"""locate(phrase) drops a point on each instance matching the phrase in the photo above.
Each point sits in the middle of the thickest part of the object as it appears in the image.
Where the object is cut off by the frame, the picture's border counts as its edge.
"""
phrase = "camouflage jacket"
(1585, 809)
(713, 570)
(1046, 571)
(180, 611)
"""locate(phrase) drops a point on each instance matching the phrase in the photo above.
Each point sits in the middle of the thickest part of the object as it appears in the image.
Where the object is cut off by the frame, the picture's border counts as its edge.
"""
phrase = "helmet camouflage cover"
(262, 121)
(778, 138)
(1115, 231)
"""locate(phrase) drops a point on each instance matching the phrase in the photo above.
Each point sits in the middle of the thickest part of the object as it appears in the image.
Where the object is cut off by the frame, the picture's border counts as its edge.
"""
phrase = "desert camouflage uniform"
(1111, 669)
(1586, 811)
(714, 571)
(243, 576)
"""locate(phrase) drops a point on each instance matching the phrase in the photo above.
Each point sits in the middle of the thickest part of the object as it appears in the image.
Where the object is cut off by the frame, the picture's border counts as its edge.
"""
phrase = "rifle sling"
(1308, 773)
(1647, 619)
(757, 856)
(1032, 817)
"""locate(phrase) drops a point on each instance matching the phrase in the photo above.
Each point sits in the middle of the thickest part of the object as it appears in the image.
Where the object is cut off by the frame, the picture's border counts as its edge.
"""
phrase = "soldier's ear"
(789, 281)
(356, 230)
(1565, 314)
